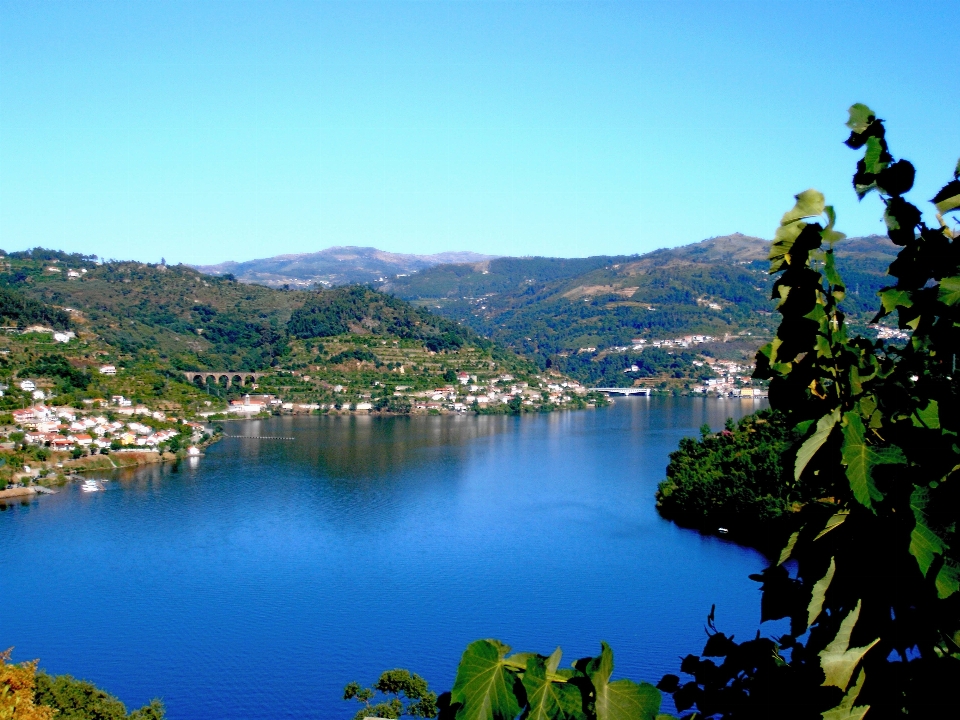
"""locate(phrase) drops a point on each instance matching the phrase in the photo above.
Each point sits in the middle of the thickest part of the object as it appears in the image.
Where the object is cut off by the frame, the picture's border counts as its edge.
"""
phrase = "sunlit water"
(259, 581)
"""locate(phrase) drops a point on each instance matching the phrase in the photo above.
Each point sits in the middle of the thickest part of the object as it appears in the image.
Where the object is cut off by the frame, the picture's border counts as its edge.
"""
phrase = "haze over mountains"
(334, 266)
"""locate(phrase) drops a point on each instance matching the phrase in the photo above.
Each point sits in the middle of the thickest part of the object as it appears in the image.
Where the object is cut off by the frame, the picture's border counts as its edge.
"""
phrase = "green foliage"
(410, 696)
(359, 309)
(80, 700)
(358, 354)
(869, 585)
(59, 368)
(616, 369)
(740, 479)
(19, 310)
(493, 685)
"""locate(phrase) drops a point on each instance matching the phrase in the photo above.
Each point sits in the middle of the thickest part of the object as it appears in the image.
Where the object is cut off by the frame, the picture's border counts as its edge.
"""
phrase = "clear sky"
(208, 131)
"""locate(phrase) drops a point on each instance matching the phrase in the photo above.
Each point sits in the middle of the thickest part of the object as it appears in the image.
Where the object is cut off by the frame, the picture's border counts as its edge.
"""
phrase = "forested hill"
(553, 309)
(197, 321)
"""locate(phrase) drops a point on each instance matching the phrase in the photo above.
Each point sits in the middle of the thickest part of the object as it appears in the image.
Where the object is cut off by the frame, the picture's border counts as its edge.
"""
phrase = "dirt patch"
(593, 290)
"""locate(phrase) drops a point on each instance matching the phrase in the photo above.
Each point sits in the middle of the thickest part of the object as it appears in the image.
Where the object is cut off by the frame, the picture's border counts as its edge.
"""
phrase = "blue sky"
(208, 131)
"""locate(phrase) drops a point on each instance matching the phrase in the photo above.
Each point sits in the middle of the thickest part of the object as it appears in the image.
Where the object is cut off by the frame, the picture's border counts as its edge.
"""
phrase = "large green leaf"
(926, 544)
(813, 443)
(834, 522)
(838, 660)
(828, 234)
(819, 593)
(485, 687)
(948, 579)
(891, 299)
(621, 699)
(846, 710)
(547, 699)
(871, 156)
(860, 459)
(860, 117)
(788, 548)
(810, 203)
(948, 198)
(928, 417)
(783, 241)
(949, 292)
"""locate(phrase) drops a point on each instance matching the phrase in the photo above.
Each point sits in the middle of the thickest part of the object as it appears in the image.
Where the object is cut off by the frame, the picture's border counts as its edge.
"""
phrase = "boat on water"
(90, 486)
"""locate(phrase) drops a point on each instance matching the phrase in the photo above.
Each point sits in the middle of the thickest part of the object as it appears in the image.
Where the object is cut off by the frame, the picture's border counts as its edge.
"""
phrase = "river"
(259, 580)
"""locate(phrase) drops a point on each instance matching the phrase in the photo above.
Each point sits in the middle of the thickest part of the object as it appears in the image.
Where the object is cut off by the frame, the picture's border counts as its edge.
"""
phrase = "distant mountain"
(570, 313)
(335, 266)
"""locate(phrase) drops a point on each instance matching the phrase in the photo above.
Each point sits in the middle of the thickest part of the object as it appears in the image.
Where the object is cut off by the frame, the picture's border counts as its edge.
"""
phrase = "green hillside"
(340, 346)
(554, 310)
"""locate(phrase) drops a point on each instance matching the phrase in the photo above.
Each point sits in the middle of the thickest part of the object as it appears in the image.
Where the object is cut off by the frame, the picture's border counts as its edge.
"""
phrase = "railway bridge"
(233, 377)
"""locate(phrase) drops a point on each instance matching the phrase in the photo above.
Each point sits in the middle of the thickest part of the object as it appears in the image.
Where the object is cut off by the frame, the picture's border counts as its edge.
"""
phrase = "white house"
(108, 370)
(28, 385)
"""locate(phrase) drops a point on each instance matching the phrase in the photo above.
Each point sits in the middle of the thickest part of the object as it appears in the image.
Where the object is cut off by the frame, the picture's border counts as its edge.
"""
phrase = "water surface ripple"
(258, 582)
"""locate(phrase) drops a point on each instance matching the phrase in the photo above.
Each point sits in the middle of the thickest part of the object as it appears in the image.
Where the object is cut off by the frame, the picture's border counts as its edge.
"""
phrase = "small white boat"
(90, 486)
(722, 531)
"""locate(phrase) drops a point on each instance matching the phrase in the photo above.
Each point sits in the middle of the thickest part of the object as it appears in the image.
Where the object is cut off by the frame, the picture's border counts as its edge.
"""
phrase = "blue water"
(257, 583)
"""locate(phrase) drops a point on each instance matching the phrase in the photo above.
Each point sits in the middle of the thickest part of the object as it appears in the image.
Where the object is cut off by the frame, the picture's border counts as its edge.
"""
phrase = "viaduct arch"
(240, 378)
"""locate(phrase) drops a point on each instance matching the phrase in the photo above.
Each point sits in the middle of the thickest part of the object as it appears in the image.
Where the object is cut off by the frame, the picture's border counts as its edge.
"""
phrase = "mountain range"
(334, 266)
(586, 315)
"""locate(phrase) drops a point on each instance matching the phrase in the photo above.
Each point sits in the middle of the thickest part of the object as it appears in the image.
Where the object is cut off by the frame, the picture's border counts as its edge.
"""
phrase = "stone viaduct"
(240, 378)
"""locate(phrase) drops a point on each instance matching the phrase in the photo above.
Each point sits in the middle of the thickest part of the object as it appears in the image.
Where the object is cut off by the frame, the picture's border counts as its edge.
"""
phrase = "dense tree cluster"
(17, 309)
(739, 479)
(356, 308)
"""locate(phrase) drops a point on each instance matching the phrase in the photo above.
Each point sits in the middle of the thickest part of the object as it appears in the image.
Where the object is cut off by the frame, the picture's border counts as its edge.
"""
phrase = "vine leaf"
(860, 459)
(838, 660)
(926, 544)
(485, 688)
(872, 155)
(846, 709)
(949, 292)
(949, 196)
(813, 443)
(547, 700)
(860, 117)
(788, 548)
(891, 299)
(621, 699)
(810, 203)
(819, 593)
(834, 522)
(928, 417)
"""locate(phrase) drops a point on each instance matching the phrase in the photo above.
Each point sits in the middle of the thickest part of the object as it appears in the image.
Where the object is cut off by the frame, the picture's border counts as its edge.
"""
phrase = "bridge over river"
(232, 376)
(623, 391)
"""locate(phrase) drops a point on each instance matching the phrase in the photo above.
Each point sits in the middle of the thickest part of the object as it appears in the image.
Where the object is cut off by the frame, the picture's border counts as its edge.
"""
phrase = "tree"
(737, 479)
(402, 686)
(17, 700)
(74, 699)
(870, 581)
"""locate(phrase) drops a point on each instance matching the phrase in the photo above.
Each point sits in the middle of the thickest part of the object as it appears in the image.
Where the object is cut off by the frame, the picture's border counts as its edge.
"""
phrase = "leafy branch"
(870, 581)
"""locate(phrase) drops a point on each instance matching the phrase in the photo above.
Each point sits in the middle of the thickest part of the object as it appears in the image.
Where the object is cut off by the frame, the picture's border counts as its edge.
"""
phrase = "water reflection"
(226, 585)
